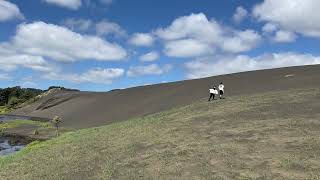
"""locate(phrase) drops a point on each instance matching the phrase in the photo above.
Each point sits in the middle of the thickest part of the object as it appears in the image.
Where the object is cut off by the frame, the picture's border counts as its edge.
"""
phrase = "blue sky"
(98, 45)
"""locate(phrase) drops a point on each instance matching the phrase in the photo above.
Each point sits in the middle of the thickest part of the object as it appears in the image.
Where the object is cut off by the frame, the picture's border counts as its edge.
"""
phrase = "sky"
(100, 45)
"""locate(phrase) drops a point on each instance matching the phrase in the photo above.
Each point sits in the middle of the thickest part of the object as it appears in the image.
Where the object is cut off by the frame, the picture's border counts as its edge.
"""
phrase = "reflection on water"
(5, 118)
(7, 148)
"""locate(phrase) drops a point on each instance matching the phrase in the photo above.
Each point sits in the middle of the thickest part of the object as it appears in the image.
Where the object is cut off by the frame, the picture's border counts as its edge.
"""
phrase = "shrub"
(56, 122)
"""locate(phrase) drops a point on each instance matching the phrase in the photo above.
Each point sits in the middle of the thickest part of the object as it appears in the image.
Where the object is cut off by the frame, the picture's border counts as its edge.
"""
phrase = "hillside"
(271, 135)
(88, 109)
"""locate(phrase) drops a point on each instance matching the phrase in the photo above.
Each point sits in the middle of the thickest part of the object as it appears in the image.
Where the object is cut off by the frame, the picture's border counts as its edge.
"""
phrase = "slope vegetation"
(272, 135)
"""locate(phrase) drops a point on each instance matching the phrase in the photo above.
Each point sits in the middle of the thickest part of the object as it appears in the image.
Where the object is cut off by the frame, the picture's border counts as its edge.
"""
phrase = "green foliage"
(15, 96)
(243, 137)
(4, 109)
(56, 122)
(62, 88)
(17, 123)
(13, 102)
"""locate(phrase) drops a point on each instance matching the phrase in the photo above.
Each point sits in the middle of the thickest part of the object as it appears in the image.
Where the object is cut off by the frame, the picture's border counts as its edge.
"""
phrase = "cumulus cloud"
(205, 67)
(9, 11)
(240, 14)
(187, 48)
(152, 69)
(142, 39)
(70, 4)
(101, 28)
(195, 36)
(300, 16)
(110, 28)
(81, 25)
(195, 26)
(241, 41)
(11, 62)
(61, 44)
(269, 28)
(97, 76)
(149, 57)
(284, 36)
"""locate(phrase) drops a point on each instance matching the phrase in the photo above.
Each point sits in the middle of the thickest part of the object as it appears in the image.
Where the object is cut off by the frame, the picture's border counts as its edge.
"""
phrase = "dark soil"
(91, 109)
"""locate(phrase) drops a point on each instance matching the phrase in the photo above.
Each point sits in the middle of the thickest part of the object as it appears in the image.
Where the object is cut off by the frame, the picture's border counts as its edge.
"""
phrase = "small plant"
(36, 132)
(56, 123)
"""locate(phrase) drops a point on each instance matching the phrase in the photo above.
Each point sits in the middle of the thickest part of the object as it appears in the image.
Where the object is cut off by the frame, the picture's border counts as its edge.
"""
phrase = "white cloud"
(149, 57)
(142, 39)
(230, 64)
(269, 28)
(78, 24)
(240, 14)
(152, 69)
(10, 62)
(241, 41)
(98, 76)
(102, 28)
(196, 36)
(110, 28)
(187, 48)
(61, 44)
(301, 16)
(4, 77)
(284, 36)
(9, 11)
(70, 4)
(194, 26)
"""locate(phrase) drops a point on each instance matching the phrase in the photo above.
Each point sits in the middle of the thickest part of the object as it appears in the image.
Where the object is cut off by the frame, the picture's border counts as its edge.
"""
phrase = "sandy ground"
(91, 109)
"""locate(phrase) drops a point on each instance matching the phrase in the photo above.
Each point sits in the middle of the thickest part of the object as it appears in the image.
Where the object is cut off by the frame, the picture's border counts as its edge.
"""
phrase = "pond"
(8, 146)
(12, 143)
(5, 118)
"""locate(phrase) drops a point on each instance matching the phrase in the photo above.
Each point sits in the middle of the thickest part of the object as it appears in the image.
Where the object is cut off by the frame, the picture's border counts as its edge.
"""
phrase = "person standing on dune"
(221, 90)
(213, 92)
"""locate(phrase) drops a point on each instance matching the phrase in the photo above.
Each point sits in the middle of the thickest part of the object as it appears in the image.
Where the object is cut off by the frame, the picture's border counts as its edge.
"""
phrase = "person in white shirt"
(221, 90)
(212, 92)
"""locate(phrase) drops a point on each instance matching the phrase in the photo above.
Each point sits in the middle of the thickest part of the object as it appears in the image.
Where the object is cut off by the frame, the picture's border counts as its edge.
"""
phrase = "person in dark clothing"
(212, 92)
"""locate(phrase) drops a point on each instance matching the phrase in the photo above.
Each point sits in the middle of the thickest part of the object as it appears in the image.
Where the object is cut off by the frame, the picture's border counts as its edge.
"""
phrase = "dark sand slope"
(88, 109)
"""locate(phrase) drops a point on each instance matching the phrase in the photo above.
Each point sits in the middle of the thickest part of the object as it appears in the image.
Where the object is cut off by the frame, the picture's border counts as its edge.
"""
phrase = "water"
(5, 118)
(6, 148)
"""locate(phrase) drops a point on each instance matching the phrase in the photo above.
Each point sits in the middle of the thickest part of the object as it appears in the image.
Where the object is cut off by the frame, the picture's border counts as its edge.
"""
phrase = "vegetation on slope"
(15, 96)
(266, 136)
(4, 109)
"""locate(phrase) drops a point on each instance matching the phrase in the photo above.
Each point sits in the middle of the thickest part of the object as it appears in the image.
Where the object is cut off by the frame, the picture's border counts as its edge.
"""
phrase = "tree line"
(12, 97)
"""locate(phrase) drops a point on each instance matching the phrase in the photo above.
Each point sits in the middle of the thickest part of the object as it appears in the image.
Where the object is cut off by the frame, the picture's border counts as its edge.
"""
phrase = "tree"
(13, 102)
(56, 122)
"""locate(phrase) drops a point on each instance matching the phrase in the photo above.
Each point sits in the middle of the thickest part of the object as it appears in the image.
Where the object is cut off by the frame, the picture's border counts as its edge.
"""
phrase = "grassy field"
(17, 123)
(264, 136)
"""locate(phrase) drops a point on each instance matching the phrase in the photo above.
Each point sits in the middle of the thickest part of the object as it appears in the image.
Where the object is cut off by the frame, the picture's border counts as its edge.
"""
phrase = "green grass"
(4, 109)
(17, 123)
(264, 136)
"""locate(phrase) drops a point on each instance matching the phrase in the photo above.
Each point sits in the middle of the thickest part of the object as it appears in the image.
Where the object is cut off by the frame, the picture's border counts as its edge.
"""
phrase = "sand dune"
(90, 109)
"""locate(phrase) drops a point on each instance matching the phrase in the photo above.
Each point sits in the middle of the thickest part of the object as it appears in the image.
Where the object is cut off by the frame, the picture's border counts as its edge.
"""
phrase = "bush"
(13, 102)
(56, 122)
